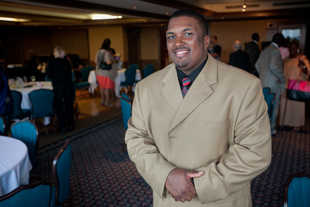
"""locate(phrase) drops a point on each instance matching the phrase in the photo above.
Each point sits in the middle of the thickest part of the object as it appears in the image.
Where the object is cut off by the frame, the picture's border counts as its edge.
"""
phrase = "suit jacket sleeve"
(257, 64)
(246, 158)
(276, 65)
(142, 150)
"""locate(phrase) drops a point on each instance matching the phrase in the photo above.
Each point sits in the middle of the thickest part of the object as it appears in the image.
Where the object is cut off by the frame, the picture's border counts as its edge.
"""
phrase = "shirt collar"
(193, 75)
(275, 44)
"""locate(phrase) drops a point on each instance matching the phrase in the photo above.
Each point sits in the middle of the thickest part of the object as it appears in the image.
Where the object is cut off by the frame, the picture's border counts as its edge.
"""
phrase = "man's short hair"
(278, 37)
(193, 14)
(255, 36)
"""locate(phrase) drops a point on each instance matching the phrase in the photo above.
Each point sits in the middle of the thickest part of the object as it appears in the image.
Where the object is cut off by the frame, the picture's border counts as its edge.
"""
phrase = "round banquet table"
(14, 164)
(29, 87)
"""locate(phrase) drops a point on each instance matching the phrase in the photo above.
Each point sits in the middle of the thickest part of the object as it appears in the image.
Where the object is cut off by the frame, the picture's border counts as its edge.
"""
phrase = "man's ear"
(206, 41)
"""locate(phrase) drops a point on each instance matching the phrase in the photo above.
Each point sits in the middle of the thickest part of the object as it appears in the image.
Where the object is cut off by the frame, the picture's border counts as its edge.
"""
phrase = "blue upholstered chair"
(148, 70)
(134, 66)
(2, 126)
(27, 132)
(84, 84)
(270, 102)
(42, 101)
(35, 194)
(266, 91)
(18, 112)
(61, 172)
(47, 78)
(130, 75)
(126, 104)
(297, 190)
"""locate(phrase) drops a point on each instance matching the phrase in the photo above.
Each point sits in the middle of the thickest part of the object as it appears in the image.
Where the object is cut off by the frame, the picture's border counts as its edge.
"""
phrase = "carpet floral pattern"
(101, 175)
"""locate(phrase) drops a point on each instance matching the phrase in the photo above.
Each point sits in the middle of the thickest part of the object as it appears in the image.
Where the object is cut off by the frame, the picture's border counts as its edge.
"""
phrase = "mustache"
(180, 48)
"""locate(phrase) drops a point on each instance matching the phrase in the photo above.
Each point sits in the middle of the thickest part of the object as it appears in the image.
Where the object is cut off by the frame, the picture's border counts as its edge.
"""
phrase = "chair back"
(17, 101)
(297, 190)
(2, 126)
(61, 172)
(35, 194)
(266, 91)
(133, 66)
(85, 73)
(126, 111)
(47, 79)
(147, 71)
(27, 132)
(270, 102)
(130, 75)
(42, 103)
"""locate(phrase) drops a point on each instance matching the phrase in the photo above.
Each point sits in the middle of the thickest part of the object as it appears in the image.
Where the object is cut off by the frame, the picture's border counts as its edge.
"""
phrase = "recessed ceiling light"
(134, 7)
(167, 13)
(104, 16)
(13, 19)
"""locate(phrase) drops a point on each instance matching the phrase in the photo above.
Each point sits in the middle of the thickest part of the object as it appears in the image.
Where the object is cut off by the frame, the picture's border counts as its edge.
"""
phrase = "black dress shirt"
(191, 76)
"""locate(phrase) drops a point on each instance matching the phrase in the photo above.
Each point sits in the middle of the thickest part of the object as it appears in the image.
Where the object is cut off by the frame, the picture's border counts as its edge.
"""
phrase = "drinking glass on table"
(33, 78)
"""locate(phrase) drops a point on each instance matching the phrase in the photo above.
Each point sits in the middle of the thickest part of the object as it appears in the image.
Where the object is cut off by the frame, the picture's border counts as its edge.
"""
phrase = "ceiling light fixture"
(244, 7)
(104, 16)
(13, 19)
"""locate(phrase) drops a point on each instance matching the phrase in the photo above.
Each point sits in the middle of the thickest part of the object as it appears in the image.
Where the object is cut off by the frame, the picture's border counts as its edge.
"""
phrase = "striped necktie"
(186, 82)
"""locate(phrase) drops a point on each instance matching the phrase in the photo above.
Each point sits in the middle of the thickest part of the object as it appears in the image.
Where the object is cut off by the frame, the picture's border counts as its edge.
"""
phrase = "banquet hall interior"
(137, 29)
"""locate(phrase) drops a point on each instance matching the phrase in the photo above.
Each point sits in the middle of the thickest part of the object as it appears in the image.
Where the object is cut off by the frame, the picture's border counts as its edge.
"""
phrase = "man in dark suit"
(239, 58)
(253, 50)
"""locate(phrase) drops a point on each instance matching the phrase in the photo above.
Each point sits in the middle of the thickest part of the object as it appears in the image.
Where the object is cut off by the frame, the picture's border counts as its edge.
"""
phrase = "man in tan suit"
(199, 144)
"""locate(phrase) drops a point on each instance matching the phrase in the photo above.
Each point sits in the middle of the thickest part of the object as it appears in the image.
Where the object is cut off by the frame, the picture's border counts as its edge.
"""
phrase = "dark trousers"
(63, 102)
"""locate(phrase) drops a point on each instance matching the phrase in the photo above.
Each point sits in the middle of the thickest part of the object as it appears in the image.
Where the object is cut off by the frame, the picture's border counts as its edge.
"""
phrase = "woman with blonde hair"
(59, 71)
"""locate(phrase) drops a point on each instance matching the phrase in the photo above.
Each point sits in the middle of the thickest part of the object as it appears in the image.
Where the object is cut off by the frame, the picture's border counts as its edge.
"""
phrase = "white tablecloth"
(92, 81)
(26, 104)
(14, 164)
(120, 78)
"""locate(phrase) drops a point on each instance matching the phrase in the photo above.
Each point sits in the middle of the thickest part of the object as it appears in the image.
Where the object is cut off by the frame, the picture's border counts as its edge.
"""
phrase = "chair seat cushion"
(52, 203)
(82, 84)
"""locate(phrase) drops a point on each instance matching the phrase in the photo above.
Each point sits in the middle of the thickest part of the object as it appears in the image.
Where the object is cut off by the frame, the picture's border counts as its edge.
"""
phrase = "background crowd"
(275, 65)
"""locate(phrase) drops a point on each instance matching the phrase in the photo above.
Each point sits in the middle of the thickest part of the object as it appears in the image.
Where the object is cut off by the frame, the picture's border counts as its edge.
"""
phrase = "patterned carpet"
(103, 176)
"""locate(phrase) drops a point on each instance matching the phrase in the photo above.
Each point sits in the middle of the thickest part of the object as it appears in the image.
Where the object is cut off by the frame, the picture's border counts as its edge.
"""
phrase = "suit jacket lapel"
(171, 90)
(198, 92)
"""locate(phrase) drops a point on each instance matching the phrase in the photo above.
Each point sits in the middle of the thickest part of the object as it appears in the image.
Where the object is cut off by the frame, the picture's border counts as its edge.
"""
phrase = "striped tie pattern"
(186, 82)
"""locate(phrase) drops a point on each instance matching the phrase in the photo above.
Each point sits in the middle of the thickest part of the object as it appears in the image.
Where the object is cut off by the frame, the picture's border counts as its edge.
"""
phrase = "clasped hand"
(179, 184)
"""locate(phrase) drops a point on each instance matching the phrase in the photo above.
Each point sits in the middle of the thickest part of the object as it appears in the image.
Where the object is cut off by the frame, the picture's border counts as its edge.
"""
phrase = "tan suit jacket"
(220, 127)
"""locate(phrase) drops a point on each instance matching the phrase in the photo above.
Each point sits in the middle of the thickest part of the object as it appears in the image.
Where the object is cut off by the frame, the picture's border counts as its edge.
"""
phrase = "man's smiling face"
(186, 45)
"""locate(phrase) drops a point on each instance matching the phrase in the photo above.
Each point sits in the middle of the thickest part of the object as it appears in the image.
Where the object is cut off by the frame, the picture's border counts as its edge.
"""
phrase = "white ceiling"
(61, 12)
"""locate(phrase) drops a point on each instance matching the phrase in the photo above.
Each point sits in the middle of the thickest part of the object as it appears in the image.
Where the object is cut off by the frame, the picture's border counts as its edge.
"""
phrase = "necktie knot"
(186, 82)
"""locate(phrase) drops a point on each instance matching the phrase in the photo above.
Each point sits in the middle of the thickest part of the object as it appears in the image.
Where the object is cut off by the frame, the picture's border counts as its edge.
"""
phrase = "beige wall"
(36, 42)
(43, 42)
(149, 45)
(96, 36)
(74, 41)
(229, 31)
